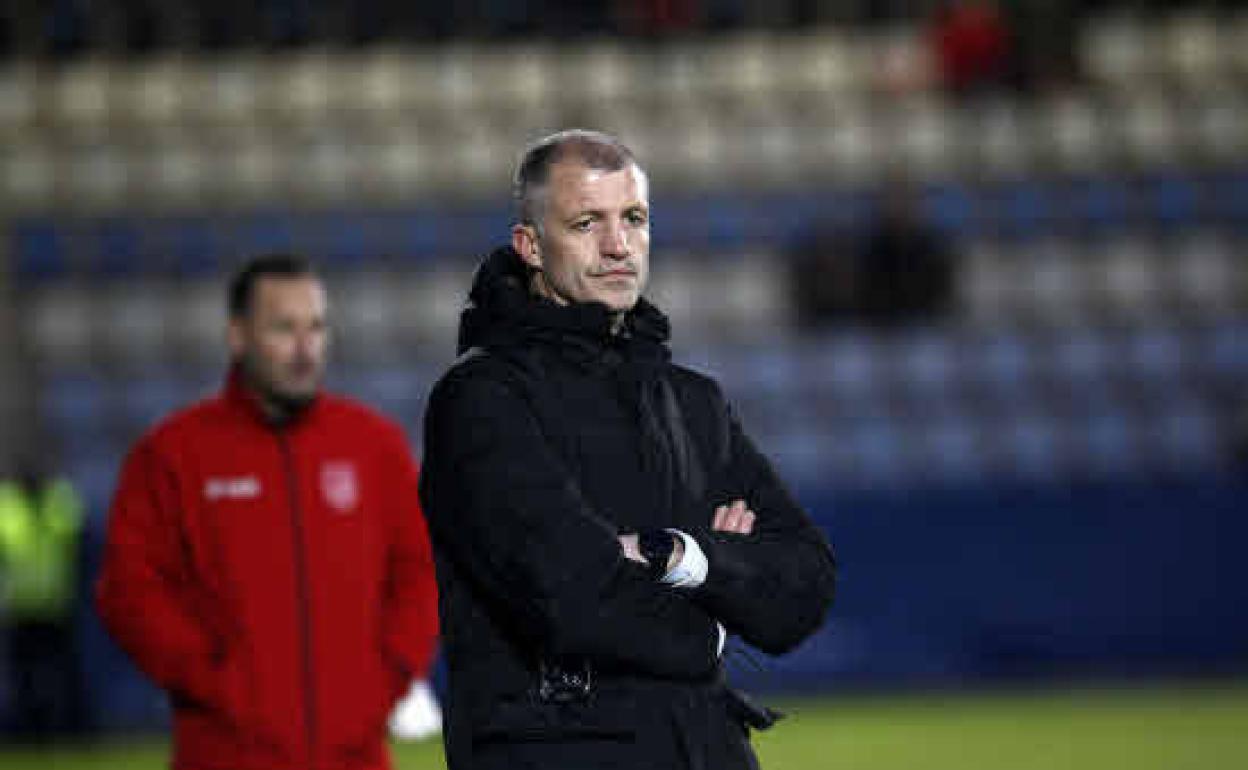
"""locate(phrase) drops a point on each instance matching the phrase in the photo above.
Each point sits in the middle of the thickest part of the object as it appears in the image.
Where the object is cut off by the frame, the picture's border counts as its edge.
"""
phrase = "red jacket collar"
(239, 395)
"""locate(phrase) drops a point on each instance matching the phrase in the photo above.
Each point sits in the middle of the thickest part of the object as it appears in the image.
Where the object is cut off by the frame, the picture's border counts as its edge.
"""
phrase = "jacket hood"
(502, 312)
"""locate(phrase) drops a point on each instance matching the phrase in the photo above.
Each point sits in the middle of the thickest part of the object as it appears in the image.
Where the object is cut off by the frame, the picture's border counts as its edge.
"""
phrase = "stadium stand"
(1100, 328)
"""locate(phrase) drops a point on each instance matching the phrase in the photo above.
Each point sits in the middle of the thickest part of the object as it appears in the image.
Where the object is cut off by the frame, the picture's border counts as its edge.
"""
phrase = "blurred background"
(974, 274)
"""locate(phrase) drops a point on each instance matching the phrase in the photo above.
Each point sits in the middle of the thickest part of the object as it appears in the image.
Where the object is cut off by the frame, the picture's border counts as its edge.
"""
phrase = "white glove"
(417, 715)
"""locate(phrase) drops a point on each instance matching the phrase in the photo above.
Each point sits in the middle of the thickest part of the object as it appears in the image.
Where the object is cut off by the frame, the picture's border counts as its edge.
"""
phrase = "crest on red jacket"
(340, 486)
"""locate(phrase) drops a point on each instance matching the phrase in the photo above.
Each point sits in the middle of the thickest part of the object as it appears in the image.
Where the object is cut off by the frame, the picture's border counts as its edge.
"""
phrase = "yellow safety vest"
(39, 550)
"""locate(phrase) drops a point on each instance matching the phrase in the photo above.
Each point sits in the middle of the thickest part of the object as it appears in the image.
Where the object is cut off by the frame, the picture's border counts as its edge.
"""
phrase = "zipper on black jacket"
(301, 591)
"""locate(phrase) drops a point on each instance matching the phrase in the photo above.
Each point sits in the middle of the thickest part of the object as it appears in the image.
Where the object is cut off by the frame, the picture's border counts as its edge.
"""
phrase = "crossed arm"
(736, 517)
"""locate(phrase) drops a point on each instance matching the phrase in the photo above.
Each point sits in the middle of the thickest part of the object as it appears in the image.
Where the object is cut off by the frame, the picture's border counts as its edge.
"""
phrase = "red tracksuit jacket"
(277, 582)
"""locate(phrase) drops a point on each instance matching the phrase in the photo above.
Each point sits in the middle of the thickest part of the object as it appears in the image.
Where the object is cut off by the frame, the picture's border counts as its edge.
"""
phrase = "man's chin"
(619, 303)
(291, 400)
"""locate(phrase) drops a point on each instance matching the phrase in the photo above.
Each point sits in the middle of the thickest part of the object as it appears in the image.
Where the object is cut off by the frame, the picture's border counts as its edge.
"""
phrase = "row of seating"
(382, 158)
(1160, 208)
(733, 295)
(850, 408)
(1189, 45)
(1191, 50)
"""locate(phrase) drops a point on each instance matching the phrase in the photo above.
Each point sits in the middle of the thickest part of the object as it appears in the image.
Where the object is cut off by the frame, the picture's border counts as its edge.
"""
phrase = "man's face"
(281, 341)
(595, 239)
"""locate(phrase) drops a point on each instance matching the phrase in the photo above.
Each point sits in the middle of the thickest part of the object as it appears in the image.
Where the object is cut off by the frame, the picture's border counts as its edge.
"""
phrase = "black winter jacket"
(548, 438)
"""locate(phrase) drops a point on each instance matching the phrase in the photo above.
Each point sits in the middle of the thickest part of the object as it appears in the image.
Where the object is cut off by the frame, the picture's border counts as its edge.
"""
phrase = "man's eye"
(637, 218)
(582, 225)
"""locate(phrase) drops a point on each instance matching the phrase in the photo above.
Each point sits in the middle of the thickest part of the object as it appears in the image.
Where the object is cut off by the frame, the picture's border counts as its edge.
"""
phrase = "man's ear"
(235, 337)
(524, 241)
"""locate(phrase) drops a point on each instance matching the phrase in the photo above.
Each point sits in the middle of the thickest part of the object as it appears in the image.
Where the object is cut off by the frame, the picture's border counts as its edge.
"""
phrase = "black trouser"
(44, 670)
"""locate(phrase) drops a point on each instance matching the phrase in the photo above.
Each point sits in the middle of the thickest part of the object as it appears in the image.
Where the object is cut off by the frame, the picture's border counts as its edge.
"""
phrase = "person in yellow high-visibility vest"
(40, 534)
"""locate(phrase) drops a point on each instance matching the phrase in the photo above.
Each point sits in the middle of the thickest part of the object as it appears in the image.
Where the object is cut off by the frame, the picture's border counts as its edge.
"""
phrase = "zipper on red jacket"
(302, 601)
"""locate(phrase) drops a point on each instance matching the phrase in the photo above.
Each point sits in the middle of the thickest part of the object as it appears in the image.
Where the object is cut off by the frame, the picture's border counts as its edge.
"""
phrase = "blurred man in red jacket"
(267, 561)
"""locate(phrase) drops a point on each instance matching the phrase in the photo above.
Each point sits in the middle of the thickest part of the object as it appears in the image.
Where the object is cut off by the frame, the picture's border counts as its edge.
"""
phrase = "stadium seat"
(1148, 128)
(196, 316)
(1034, 445)
(1057, 282)
(1173, 200)
(363, 308)
(927, 139)
(40, 250)
(1096, 204)
(1209, 277)
(1003, 146)
(150, 395)
(1131, 278)
(1219, 123)
(27, 174)
(19, 99)
(991, 282)
(132, 321)
(1109, 441)
(952, 449)
(60, 319)
(1024, 209)
(1188, 435)
(954, 208)
(1224, 351)
(1193, 51)
(115, 249)
(76, 404)
(925, 364)
(1118, 51)
(1072, 133)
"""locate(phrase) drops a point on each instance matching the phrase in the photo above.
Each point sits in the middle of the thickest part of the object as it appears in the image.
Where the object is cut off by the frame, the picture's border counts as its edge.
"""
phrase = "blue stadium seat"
(1034, 445)
(1172, 200)
(1188, 434)
(1224, 352)
(1228, 198)
(1081, 359)
(76, 404)
(417, 236)
(1110, 441)
(1154, 357)
(194, 246)
(953, 208)
(344, 240)
(1005, 362)
(95, 477)
(953, 451)
(1025, 209)
(879, 452)
(40, 251)
(1097, 204)
(926, 364)
(151, 395)
(802, 456)
(850, 367)
(116, 249)
(267, 231)
(397, 391)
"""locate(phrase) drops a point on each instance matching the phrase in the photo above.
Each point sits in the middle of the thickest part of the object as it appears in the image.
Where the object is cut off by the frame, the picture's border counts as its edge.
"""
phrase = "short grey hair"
(596, 149)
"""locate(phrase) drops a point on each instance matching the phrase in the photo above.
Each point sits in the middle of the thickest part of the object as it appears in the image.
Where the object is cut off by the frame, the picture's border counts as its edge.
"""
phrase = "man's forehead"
(577, 182)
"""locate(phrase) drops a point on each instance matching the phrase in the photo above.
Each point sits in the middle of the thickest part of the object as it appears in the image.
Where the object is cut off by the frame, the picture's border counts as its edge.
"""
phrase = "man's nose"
(614, 241)
(305, 344)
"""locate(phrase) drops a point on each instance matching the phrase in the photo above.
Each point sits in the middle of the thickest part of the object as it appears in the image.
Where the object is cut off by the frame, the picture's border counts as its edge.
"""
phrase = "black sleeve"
(509, 514)
(773, 587)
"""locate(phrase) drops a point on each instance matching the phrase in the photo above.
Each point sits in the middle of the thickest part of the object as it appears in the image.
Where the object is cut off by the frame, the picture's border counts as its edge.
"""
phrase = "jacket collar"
(239, 395)
(502, 312)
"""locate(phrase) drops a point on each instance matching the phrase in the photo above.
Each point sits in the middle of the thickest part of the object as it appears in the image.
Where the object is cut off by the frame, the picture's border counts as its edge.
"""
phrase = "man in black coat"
(600, 520)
